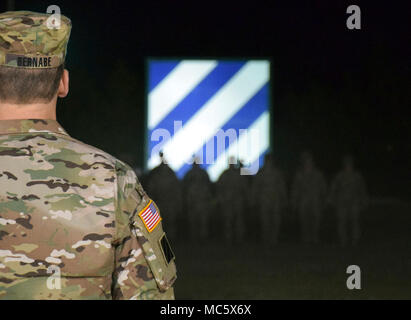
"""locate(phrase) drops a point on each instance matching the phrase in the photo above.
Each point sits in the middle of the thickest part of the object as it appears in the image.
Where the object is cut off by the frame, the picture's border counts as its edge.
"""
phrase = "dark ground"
(294, 271)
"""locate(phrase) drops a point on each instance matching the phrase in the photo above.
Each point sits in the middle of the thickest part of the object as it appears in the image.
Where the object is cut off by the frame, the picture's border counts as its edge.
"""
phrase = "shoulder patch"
(150, 215)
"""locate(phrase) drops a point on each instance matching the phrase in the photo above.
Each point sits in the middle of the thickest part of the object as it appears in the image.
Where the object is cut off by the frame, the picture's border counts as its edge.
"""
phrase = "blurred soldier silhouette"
(245, 171)
(269, 198)
(308, 198)
(197, 200)
(349, 196)
(165, 189)
(232, 192)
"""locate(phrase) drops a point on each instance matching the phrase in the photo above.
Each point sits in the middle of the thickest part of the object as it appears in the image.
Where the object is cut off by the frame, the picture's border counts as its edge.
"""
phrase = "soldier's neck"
(10, 111)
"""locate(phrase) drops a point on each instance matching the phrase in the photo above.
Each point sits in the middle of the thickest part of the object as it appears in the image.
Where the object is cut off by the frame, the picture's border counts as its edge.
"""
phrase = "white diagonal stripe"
(175, 87)
(248, 147)
(214, 114)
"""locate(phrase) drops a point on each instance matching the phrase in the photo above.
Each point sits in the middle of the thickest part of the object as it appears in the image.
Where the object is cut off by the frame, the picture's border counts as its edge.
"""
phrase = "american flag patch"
(150, 216)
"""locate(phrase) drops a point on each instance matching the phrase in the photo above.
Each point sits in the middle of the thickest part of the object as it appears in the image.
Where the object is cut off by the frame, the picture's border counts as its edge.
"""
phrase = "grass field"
(291, 270)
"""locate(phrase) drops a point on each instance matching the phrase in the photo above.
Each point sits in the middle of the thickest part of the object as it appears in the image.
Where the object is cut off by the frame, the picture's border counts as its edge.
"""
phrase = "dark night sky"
(334, 90)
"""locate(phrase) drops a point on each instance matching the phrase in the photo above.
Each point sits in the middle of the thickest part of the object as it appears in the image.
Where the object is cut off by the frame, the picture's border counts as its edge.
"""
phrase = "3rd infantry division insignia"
(150, 216)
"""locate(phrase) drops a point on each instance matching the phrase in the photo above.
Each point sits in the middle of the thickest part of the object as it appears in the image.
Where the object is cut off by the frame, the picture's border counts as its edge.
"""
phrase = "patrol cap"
(30, 40)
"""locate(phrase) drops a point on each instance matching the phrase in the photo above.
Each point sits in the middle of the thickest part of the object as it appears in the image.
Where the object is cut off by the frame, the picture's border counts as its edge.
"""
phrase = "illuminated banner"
(211, 109)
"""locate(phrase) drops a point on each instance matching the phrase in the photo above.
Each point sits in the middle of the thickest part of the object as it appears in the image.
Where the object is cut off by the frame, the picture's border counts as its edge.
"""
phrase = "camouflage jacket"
(70, 223)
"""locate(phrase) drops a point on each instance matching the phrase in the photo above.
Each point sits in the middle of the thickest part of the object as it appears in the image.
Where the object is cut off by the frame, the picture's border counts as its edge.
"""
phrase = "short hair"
(25, 85)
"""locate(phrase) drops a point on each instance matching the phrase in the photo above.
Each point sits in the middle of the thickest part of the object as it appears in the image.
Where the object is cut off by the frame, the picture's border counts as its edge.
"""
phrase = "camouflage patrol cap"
(33, 40)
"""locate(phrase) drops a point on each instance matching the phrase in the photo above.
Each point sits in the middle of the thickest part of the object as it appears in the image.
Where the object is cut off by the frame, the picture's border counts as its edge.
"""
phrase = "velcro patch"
(166, 249)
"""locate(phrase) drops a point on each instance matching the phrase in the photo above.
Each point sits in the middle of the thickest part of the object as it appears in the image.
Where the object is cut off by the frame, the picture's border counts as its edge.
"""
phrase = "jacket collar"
(31, 125)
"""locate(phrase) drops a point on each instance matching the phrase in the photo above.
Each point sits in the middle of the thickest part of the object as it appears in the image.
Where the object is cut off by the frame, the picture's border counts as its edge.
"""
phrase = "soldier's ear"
(64, 84)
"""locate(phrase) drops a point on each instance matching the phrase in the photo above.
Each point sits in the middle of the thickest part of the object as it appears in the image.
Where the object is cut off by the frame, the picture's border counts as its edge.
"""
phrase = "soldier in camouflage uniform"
(308, 197)
(164, 187)
(232, 193)
(349, 196)
(270, 199)
(197, 199)
(73, 219)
